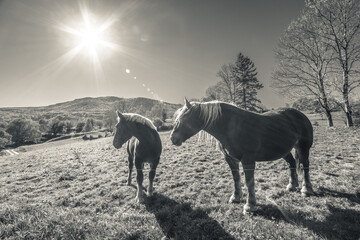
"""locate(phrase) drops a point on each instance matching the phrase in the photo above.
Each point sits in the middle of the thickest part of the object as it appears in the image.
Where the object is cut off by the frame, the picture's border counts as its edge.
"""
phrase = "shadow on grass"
(338, 224)
(355, 198)
(180, 221)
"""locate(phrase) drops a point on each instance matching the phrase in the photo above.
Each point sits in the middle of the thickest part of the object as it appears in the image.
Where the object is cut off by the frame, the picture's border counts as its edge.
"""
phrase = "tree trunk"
(329, 117)
(348, 113)
(325, 105)
(244, 98)
(347, 107)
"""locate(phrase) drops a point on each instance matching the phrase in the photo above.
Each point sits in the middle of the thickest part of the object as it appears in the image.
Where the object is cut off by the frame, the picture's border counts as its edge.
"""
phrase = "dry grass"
(77, 190)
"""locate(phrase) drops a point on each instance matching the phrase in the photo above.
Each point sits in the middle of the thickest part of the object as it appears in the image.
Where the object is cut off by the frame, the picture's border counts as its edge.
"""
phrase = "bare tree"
(218, 91)
(229, 85)
(303, 63)
(341, 31)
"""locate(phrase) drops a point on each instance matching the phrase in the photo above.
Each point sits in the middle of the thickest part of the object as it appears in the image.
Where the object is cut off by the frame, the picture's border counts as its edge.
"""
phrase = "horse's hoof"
(129, 183)
(291, 187)
(150, 193)
(248, 209)
(234, 199)
(306, 192)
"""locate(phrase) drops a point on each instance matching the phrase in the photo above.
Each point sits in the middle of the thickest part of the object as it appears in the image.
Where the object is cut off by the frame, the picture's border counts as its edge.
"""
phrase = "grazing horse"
(144, 146)
(248, 137)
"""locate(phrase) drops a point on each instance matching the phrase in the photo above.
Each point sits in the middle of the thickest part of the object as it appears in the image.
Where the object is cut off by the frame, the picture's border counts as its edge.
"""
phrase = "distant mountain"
(90, 108)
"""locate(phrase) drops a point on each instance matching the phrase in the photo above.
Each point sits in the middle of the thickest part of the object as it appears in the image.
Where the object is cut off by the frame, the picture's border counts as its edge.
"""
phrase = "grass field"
(75, 189)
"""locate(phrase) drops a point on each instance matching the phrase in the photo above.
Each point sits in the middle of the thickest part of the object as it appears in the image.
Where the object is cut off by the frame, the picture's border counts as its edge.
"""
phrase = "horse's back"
(149, 150)
(298, 121)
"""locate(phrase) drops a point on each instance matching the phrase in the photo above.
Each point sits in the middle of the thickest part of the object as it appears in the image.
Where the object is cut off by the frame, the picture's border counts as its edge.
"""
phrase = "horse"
(143, 146)
(249, 137)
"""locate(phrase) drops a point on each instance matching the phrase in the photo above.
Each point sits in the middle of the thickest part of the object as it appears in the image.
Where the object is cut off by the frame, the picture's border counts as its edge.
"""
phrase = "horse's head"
(187, 123)
(122, 131)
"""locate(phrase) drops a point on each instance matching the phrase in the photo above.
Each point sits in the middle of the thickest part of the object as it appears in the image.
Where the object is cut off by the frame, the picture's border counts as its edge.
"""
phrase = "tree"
(68, 125)
(89, 125)
(164, 115)
(43, 125)
(99, 124)
(110, 119)
(5, 138)
(24, 130)
(341, 32)
(303, 62)
(238, 85)
(79, 127)
(245, 73)
(57, 126)
(217, 92)
(227, 89)
(110, 116)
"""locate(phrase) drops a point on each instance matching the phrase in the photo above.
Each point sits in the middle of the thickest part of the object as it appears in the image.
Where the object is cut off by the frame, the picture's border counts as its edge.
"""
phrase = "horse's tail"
(297, 162)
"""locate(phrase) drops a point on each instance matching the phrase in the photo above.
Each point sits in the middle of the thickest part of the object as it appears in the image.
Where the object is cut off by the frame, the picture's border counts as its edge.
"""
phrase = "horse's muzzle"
(176, 141)
(117, 145)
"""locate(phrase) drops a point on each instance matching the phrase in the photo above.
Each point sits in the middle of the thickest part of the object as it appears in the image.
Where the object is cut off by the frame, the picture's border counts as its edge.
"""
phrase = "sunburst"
(90, 37)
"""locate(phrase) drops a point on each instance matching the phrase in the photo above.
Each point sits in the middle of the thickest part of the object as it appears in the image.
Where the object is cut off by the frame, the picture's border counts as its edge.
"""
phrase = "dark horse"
(248, 137)
(144, 146)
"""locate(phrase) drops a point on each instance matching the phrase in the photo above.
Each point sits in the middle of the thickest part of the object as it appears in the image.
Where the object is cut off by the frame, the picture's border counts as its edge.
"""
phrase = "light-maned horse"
(144, 145)
(248, 137)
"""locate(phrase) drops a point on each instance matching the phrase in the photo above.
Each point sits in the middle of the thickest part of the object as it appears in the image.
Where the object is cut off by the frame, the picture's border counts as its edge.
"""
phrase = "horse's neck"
(143, 133)
(218, 127)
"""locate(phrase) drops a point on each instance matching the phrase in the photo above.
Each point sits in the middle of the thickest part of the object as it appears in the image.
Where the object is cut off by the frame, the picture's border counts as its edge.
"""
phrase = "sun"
(90, 40)
(90, 36)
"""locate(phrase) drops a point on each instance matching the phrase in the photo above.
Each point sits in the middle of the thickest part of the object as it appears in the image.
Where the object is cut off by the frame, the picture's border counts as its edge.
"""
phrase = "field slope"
(77, 190)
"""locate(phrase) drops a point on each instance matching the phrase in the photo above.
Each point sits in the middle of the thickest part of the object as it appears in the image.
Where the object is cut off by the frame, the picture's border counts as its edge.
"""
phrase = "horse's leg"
(139, 179)
(250, 183)
(152, 173)
(131, 165)
(234, 166)
(303, 154)
(293, 181)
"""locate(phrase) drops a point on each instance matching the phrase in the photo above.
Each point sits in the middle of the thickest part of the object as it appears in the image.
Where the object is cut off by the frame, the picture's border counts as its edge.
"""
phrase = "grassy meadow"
(75, 189)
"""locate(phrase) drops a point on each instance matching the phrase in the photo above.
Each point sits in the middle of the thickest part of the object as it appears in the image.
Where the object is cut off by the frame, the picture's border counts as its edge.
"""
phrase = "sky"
(55, 51)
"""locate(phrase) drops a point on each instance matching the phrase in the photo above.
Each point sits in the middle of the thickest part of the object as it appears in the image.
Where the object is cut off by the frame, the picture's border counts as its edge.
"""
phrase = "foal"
(144, 145)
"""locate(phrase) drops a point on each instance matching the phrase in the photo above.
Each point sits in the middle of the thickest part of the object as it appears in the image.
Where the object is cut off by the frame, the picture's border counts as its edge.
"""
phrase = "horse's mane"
(210, 112)
(133, 117)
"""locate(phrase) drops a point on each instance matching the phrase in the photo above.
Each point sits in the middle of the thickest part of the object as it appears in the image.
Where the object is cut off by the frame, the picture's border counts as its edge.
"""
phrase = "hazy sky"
(171, 48)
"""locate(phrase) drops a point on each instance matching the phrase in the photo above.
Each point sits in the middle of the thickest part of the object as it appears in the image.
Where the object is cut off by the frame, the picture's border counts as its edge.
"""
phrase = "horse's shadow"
(181, 221)
(355, 198)
(339, 224)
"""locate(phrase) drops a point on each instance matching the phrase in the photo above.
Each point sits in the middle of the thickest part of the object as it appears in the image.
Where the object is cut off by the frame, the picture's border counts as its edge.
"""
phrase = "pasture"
(75, 189)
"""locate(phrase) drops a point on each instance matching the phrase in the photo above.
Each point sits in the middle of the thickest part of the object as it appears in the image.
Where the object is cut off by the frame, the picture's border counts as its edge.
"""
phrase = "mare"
(248, 137)
(143, 145)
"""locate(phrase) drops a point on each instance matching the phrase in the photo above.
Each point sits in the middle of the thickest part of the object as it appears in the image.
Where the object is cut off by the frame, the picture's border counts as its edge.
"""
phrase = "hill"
(89, 108)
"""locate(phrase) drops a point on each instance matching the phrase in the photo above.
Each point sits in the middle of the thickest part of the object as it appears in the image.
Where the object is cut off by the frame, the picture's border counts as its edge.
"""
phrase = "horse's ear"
(187, 103)
(119, 114)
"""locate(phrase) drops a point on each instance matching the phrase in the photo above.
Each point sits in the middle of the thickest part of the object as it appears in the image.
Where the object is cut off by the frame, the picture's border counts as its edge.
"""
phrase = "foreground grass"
(78, 190)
